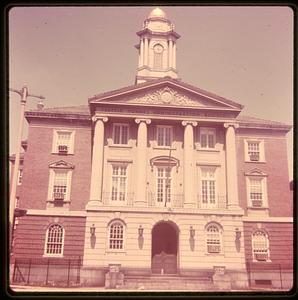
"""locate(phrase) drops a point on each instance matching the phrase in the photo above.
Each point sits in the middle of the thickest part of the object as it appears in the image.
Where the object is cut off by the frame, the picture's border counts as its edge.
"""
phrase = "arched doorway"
(164, 251)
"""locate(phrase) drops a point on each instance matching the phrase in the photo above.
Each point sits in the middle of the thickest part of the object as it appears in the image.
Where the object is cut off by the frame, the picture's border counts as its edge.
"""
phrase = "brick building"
(156, 180)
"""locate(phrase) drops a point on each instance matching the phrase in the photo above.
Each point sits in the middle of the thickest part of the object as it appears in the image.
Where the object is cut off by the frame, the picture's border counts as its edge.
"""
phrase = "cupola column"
(141, 176)
(188, 178)
(170, 53)
(97, 162)
(142, 52)
(146, 52)
(231, 166)
(174, 55)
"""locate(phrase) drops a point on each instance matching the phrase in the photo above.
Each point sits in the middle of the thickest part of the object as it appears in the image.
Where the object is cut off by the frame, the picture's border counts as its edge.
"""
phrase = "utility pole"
(24, 94)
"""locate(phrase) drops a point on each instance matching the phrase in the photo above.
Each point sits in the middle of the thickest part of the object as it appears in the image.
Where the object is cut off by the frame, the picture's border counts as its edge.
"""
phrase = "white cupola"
(157, 48)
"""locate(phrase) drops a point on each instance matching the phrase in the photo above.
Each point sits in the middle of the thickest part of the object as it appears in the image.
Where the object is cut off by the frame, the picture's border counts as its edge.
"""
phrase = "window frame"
(206, 130)
(266, 236)
(169, 199)
(261, 144)
(62, 243)
(263, 180)
(220, 238)
(56, 144)
(164, 127)
(117, 201)
(208, 204)
(53, 172)
(20, 176)
(120, 134)
(111, 223)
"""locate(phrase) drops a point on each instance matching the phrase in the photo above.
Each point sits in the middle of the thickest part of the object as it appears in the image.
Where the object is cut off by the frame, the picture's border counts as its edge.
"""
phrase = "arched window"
(213, 238)
(116, 235)
(54, 240)
(158, 53)
(260, 246)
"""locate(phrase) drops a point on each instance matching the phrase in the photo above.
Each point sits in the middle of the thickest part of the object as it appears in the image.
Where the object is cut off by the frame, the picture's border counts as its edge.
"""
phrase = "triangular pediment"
(61, 164)
(166, 93)
(255, 172)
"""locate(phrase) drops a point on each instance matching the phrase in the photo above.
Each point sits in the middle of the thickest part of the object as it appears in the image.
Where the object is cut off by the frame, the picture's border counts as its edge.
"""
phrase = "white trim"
(171, 136)
(38, 212)
(263, 180)
(261, 150)
(20, 176)
(267, 244)
(118, 202)
(55, 140)
(262, 219)
(220, 232)
(108, 249)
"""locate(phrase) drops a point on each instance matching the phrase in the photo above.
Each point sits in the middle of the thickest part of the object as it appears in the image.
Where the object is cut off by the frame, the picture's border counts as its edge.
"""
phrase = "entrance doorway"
(164, 251)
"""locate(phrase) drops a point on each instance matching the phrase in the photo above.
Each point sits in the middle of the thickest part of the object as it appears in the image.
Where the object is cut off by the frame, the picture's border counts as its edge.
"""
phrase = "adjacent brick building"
(159, 177)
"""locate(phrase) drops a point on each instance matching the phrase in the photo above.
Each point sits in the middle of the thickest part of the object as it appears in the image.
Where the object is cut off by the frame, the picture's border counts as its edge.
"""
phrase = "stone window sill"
(120, 146)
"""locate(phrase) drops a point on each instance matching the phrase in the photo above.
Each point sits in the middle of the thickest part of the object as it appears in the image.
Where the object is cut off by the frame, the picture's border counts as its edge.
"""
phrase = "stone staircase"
(168, 282)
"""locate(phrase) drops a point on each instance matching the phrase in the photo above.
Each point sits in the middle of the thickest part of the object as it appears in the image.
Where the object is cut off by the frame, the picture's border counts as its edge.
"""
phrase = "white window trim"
(55, 140)
(51, 184)
(268, 247)
(45, 254)
(201, 130)
(108, 249)
(161, 204)
(208, 205)
(118, 202)
(220, 230)
(264, 191)
(261, 149)
(128, 134)
(171, 136)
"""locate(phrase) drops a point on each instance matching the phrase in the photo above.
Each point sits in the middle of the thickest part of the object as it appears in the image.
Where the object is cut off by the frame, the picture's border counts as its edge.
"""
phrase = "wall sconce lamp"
(92, 230)
(140, 231)
(191, 232)
(238, 234)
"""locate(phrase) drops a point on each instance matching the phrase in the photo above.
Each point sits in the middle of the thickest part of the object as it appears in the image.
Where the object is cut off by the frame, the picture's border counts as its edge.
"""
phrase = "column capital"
(227, 125)
(193, 123)
(96, 118)
(147, 121)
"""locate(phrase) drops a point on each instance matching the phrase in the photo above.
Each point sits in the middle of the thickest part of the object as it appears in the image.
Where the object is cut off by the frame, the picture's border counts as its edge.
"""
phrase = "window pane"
(54, 240)
(203, 140)
(116, 134)
(210, 141)
(124, 136)
(160, 136)
(116, 236)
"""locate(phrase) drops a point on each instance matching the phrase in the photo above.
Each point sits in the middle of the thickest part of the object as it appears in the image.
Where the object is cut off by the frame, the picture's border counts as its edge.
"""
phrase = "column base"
(93, 204)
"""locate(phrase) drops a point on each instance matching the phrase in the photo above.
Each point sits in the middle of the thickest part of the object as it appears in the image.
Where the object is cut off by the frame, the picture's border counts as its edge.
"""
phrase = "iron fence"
(49, 272)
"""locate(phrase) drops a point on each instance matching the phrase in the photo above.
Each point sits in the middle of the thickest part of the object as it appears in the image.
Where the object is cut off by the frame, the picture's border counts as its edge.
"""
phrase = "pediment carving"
(255, 172)
(166, 96)
(61, 164)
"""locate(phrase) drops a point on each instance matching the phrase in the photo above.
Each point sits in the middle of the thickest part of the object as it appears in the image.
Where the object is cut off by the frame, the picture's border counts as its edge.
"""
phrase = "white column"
(142, 53)
(97, 162)
(141, 175)
(174, 55)
(146, 52)
(231, 166)
(170, 53)
(189, 164)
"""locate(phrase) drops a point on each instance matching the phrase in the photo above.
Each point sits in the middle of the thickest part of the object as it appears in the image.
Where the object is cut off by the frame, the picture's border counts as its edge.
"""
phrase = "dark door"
(164, 248)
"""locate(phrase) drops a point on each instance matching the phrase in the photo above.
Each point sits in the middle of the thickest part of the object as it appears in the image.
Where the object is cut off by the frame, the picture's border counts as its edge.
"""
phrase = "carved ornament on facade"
(96, 118)
(227, 125)
(193, 123)
(147, 121)
(165, 96)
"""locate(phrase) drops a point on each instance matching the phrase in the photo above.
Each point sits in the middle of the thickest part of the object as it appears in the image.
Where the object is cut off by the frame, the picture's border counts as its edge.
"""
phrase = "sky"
(68, 54)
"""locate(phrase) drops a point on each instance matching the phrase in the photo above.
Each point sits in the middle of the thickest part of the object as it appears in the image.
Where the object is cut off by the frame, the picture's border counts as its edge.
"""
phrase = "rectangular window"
(253, 151)
(164, 136)
(20, 176)
(60, 185)
(256, 192)
(207, 138)
(120, 134)
(119, 181)
(63, 142)
(163, 185)
(208, 188)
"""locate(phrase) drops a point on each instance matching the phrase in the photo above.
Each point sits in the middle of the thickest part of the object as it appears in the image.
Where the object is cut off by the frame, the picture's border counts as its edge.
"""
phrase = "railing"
(171, 200)
(217, 202)
(118, 199)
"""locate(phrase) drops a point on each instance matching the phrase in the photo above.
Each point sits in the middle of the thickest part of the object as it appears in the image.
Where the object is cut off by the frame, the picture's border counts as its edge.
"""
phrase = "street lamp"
(24, 94)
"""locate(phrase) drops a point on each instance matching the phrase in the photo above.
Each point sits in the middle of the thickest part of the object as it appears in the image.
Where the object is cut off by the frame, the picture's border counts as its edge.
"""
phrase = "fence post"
(78, 270)
(68, 273)
(29, 269)
(14, 271)
(280, 275)
(47, 272)
(248, 272)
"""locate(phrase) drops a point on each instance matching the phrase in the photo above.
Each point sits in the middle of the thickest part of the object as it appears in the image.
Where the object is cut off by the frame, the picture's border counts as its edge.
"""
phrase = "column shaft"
(231, 166)
(170, 53)
(141, 176)
(142, 53)
(174, 56)
(146, 52)
(97, 163)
